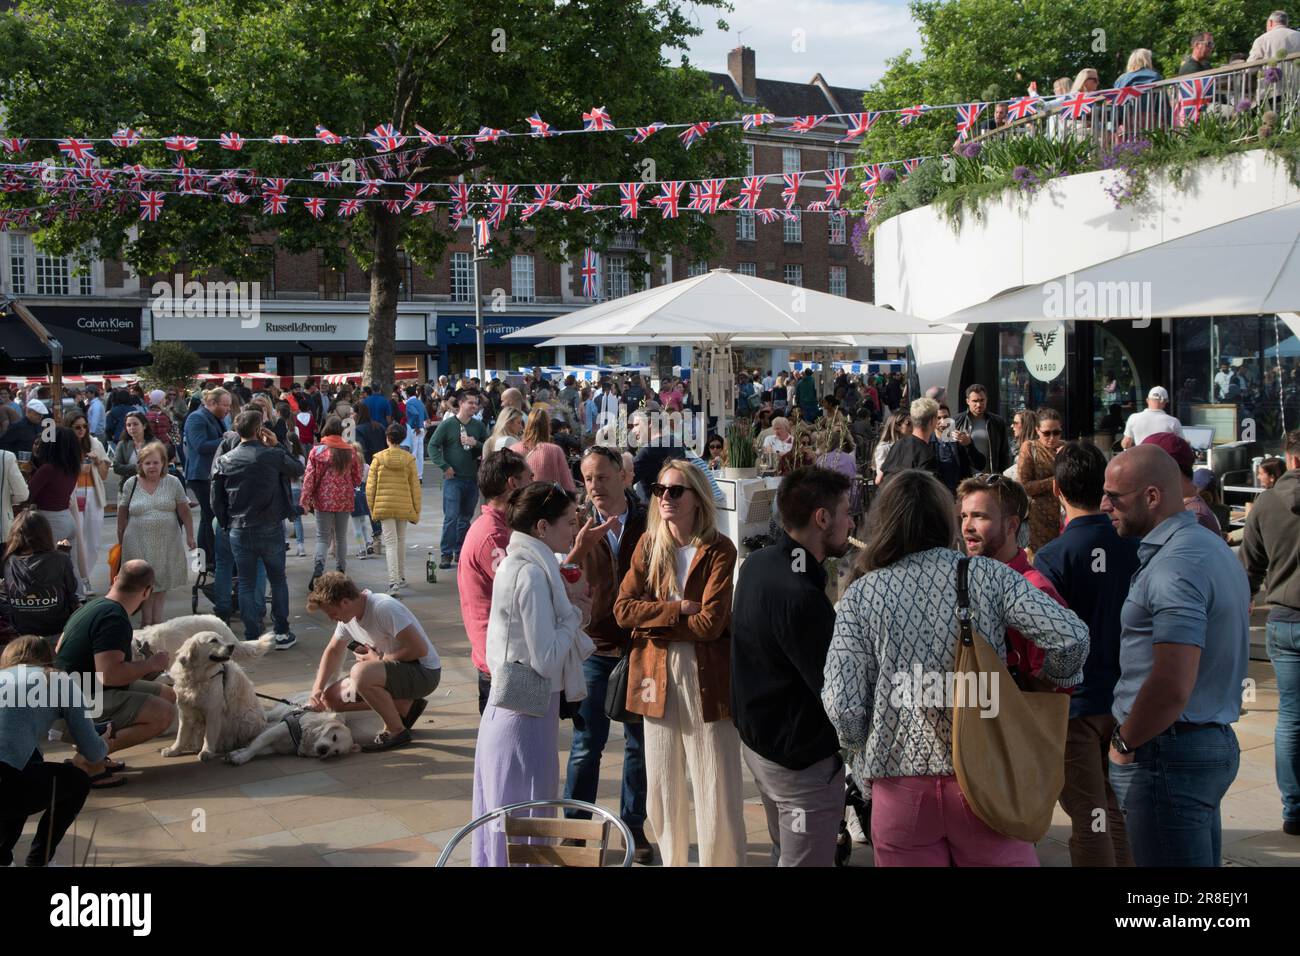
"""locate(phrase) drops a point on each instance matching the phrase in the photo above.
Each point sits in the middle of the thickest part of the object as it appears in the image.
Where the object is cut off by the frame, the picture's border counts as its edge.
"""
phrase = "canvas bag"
(1010, 767)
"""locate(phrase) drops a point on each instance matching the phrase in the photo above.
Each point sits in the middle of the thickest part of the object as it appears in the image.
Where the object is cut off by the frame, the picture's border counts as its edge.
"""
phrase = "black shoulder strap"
(963, 600)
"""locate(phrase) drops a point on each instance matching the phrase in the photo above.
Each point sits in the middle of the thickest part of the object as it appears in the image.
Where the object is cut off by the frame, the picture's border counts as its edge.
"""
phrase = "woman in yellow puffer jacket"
(393, 494)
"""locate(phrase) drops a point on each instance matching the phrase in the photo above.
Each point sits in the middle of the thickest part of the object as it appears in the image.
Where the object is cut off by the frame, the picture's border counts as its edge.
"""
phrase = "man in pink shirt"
(485, 546)
(993, 510)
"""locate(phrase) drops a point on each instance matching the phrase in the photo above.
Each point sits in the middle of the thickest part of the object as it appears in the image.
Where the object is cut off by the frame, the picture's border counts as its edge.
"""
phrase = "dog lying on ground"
(306, 733)
(170, 636)
(215, 699)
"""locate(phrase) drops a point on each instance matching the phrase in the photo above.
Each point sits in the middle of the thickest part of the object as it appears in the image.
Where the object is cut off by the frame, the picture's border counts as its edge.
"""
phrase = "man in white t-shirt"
(397, 665)
(1141, 425)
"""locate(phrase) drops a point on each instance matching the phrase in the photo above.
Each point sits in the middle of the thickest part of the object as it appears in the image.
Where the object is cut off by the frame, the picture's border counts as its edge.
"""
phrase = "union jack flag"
(138, 175)
(967, 116)
(871, 178)
(707, 195)
(545, 196)
(629, 198)
(643, 133)
(14, 144)
(192, 181)
(432, 139)
(694, 133)
(386, 165)
(909, 114)
(860, 124)
(539, 126)
(589, 272)
(349, 207)
(729, 204)
(1079, 104)
(315, 206)
(835, 182)
(598, 119)
(274, 186)
(669, 198)
(385, 138)
(369, 187)
(102, 178)
(1122, 95)
(281, 139)
(1194, 96)
(232, 141)
(235, 197)
(424, 207)
(791, 192)
(487, 134)
(412, 191)
(805, 124)
(392, 205)
(483, 232)
(79, 150)
(325, 136)
(1024, 106)
(460, 198)
(273, 204)
(909, 165)
(583, 199)
(751, 190)
(125, 137)
(151, 204)
(755, 120)
(817, 206)
(767, 216)
(502, 196)
(329, 176)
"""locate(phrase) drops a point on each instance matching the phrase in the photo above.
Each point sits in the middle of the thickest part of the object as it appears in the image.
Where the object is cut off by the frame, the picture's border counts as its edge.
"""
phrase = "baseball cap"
(1158, 392)
(1202, 478)
(37, 406)
(156, 396)
(1178, 449)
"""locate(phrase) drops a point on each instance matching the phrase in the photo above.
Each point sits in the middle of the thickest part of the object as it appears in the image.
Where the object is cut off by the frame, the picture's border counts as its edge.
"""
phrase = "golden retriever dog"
(215, 699)
(319, 735)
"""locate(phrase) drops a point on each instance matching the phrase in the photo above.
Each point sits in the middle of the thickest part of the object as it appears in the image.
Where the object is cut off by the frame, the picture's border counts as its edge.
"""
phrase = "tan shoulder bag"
(1010, 762)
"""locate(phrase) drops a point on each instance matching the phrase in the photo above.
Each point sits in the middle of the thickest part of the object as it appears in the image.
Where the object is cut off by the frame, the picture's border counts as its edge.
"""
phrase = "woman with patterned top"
(894, 647)
(1036, 469)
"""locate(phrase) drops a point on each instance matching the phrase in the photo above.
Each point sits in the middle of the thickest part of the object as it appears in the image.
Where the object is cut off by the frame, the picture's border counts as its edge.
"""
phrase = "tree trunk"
(385, 277)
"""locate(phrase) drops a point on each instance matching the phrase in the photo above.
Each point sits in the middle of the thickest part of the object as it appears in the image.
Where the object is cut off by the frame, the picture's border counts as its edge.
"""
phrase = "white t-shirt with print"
(382, 620)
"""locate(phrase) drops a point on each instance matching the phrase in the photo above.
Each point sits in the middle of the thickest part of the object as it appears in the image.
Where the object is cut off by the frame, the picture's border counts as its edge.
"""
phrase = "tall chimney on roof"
(740, 64)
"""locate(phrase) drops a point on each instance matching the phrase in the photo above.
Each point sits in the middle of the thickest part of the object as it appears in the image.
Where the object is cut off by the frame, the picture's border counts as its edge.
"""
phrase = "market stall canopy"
(22, 352)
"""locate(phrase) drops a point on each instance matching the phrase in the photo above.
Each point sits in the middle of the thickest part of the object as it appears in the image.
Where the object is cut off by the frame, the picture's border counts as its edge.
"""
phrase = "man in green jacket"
(456, 448)
(806, 395)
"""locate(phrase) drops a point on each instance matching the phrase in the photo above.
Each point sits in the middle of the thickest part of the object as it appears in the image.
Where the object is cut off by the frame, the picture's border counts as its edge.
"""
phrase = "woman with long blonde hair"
(676, 600)
(508, 431)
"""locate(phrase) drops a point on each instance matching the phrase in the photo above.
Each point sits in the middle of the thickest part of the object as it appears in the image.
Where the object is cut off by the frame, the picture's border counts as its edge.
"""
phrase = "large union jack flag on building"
(590, 272)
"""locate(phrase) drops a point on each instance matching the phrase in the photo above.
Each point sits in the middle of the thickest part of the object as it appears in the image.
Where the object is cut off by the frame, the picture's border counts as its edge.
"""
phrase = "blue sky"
(847, 41)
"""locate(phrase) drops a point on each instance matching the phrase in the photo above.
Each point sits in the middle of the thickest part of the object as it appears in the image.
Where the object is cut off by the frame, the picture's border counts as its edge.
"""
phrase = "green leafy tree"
(259, 67)
(174, 366)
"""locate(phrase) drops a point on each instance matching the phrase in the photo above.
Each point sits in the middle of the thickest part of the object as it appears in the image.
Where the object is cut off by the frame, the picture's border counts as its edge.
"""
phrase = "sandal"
(106, 781)
(110, 766)
(386, 741)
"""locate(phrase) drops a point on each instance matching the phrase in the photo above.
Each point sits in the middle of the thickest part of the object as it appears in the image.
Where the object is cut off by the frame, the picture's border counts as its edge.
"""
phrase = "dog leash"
(278, 700)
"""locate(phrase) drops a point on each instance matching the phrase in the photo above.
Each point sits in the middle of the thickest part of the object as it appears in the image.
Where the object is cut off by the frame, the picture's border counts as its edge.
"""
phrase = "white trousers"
(681, 745)
(90, 533)
(417, 449)
(395, 547)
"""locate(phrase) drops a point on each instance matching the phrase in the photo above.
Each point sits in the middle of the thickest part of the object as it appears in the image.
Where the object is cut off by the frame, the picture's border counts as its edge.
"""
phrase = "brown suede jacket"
(603, 573)
(656, 624)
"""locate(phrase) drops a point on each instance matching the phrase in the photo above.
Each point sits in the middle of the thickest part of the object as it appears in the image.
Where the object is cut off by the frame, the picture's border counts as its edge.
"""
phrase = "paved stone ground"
(399, 808)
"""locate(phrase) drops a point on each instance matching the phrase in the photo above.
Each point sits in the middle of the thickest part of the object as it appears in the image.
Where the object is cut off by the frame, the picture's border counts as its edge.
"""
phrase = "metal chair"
(595, 830)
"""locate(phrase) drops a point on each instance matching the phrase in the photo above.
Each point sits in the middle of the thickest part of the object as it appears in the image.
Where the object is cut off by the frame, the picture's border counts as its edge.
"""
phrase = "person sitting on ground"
(96, 644)
(397, 665)
(39, 590)
(28, 784)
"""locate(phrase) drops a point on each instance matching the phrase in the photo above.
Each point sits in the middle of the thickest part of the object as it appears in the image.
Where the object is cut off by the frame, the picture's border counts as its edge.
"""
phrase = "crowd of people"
(588, 558)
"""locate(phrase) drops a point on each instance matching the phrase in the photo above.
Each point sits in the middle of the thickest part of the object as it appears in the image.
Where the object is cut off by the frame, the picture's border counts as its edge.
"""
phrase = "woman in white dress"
(89, 497)
(151, 516)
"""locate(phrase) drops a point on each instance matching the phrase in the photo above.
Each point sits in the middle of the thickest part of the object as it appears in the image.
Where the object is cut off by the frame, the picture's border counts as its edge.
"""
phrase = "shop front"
(120, 324)
(458, 346)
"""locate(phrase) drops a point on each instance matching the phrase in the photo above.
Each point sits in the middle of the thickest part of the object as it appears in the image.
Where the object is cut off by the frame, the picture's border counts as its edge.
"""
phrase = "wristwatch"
(1117, 742)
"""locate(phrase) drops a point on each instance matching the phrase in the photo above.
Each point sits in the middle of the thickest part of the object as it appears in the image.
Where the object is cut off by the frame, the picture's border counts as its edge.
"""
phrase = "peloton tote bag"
(1010, 763)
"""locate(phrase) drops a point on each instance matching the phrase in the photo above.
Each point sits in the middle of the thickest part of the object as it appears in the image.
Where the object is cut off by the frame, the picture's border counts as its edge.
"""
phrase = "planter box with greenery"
(741, 457)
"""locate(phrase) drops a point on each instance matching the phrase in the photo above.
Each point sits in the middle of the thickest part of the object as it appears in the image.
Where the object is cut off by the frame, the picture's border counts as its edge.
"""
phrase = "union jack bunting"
(909, 114)
(273, 204)
(274, 186)
(583, 199)
(79, 150)
(835, 182)
(805, 124)
(138, 175)
(432, 139)
(403, 165)
(386, 165)
(669, 199)
(151, 204)
(909, 165)
(483, 231)
(349, 207)
(329, 176)
(860, 124)
(707, 195)
(791, 192)
(460, 198)
(597, 120)
(235, 197)
(424, 207)
(385, 139)
(1194, 96)
(74, 211)
(545, 196)
(458, 217)
(14, 144)
(1024, 106)
(817, 206)
(283, 139)
(789, 215)
(502, 196)
(729, 204)
(589, 271)
(102, 178)
(539, 126)
(487, 134)
(767, 216)
(1079, 104)
(315, 205)
(751, 190)
(325, 136)
(412, 191)
(192, 181)
(125, 137)
(232, 141)
(1122, 95)
(967, 117)
(629, 200)
(181, 144)
(369, 187)
(643, 133)
(755, 120)
(871, 178)
(392, 205)
(694, 133)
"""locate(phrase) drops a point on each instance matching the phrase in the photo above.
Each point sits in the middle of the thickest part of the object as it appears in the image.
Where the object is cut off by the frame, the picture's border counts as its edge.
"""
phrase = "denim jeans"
(584, 753)
(202, 489)
(459, 499)
(267, 544)
(1171, 793)
(225, 572)
(1284, 651)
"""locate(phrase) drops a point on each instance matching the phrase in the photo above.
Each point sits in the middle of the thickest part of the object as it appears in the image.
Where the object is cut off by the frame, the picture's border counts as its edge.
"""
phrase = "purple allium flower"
(888, 175)
(1270, 76)
(1021, 173)
(969, 150)
(1244, 105)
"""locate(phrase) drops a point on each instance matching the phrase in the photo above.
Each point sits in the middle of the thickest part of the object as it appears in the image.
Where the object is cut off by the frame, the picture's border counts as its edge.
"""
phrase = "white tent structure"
(720, 310)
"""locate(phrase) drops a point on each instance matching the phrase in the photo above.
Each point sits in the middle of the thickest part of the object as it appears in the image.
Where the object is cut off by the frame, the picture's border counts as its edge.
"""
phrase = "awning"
(23, 353)
(223, 349)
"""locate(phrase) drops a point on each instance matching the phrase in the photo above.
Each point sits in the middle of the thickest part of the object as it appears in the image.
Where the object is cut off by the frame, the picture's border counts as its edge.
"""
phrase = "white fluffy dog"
(171, 635)
(318, 735)
(214, 697)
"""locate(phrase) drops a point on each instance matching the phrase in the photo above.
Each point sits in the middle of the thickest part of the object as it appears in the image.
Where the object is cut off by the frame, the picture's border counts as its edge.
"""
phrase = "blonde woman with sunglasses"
(676, 599)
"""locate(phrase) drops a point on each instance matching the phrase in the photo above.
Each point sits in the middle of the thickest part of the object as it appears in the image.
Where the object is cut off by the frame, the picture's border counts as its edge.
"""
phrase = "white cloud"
(847, 42)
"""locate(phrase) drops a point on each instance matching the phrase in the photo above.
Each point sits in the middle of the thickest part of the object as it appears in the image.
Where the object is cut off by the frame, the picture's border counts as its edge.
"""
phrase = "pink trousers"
(925, 821)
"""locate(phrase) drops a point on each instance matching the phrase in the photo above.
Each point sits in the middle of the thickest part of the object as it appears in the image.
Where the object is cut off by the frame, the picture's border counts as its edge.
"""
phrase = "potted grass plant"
(741, 457)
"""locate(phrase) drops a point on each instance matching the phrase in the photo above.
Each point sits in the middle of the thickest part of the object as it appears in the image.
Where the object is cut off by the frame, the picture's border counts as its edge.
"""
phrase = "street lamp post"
(480, 356)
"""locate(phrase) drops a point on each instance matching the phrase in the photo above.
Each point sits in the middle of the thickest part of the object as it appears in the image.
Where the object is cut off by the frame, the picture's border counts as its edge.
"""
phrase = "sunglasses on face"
(1049, 432)
(715, 446)
(671, 492)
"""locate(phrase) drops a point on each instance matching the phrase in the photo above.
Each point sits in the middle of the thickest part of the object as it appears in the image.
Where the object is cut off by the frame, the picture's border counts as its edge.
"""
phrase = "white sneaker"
(394, 590)
(301, 552)
(361, 554)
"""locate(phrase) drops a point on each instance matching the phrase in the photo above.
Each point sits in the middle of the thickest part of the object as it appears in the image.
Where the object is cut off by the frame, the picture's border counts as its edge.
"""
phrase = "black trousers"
(205, 536)
(484, 691)
(57, 791)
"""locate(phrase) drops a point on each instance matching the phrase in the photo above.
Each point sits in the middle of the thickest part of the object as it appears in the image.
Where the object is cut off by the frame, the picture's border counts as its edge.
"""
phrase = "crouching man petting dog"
(397, 665)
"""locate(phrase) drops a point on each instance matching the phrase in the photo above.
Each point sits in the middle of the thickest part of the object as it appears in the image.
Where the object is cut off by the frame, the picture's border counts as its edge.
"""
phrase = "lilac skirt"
(516, 759)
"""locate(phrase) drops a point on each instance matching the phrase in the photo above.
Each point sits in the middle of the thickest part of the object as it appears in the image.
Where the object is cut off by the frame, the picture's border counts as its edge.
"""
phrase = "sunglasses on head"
(671, 492)
(605, 452)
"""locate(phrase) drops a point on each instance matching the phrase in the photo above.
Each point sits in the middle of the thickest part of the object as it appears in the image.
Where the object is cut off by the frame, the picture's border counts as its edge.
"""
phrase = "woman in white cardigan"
(88, 499)
(535, 650)
(13, 490)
